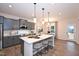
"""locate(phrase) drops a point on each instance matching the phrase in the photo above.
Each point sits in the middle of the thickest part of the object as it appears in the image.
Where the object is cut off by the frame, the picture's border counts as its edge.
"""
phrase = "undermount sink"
(33, 36)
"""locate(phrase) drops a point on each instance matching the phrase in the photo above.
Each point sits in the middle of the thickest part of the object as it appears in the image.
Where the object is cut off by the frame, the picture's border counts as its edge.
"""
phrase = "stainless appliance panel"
(0, 36)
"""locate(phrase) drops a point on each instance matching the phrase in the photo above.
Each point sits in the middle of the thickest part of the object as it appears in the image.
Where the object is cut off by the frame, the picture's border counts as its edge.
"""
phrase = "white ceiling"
(26, 10)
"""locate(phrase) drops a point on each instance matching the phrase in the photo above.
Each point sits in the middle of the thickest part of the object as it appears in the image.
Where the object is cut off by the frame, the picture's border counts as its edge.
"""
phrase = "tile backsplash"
(7, 33)
(21, 32)
(16, 32)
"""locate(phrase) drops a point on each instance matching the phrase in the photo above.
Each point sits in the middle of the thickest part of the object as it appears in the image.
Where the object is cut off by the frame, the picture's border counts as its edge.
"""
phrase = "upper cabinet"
(22, 22)
(30, 25)
(15, 24)
(26, 24)
(1, 19)
(8, 24)
(11, 24)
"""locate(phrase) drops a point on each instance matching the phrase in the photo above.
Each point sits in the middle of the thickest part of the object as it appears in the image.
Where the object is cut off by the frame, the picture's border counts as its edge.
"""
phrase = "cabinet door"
(15, 25)
(16, 40)
(30, 25)
(7, 24)
(22, 47)
(22, 22)
(7, 41)
(1, 19)
(4, 42)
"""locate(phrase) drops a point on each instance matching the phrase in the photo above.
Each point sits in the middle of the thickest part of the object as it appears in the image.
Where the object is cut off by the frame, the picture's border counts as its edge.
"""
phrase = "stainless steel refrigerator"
(0, 36)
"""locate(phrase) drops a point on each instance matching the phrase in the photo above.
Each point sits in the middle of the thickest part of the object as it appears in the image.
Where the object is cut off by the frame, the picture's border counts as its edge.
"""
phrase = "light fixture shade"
(48, 24)
(43, 15)
(48, 17)
(10, 6)
(42, 22)
(34, 19)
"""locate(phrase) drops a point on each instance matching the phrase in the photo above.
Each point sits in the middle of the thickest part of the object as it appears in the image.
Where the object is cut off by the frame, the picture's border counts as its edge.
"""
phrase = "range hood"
(23, 27)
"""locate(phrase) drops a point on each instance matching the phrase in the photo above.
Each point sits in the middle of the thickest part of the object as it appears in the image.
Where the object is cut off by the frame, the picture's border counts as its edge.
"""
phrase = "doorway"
(70, 32)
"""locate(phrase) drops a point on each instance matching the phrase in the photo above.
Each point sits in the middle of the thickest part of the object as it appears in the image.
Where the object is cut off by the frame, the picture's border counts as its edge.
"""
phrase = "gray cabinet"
(7, 41)
(22, 22)
(11, 24)
(15, 25)
(22, 47)
(10, 41)
(32, 25)
(8, 24)
(16, 39)
(1, 19)
(29, 25)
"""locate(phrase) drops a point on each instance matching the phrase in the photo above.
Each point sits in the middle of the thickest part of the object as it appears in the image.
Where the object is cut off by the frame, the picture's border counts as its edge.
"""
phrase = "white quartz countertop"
(33, 40)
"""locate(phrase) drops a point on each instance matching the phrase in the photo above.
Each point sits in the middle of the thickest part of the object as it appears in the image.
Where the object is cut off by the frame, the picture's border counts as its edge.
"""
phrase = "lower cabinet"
(7, 41)
(16, 39)
(22, 47)
(10, 41)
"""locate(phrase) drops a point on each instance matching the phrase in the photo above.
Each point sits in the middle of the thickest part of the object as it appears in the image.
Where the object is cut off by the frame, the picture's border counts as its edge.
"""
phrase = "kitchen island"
(30, 42)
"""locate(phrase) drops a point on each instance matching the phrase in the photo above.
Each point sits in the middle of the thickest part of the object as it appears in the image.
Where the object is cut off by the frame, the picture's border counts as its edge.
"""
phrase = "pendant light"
(48, 19)
(34, 18)
(48, 23)
(43, 15)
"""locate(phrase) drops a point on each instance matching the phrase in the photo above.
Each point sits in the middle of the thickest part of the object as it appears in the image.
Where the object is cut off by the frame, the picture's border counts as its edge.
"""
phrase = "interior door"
(53, 28)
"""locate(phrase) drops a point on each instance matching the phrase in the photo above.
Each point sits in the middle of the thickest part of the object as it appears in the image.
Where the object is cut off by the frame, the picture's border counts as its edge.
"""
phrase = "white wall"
(62, 28)
(77, 31)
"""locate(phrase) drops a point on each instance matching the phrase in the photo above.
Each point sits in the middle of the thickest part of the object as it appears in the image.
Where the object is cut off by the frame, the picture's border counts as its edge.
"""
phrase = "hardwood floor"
(12, 51)
(62, 48)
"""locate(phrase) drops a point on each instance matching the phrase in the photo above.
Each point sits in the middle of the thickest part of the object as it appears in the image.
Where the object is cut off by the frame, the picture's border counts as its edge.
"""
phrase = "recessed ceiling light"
(10, 6)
